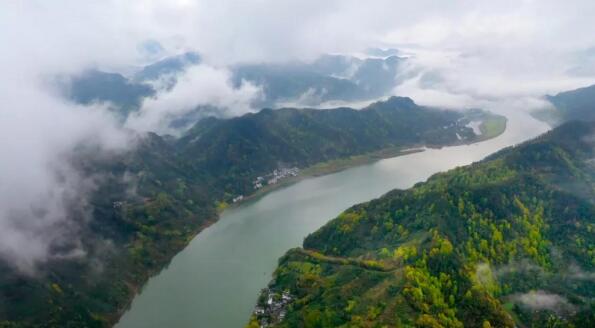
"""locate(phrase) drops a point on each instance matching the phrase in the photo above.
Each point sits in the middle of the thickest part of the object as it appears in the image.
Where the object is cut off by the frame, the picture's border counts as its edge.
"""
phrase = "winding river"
(215, 281)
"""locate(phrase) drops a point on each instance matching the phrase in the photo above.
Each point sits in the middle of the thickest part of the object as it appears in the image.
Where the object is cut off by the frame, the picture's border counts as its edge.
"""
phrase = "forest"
(505, 242)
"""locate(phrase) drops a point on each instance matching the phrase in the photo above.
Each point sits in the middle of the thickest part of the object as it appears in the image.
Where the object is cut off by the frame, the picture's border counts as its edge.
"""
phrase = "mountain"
(289, 83)
(571, 105)
(240, 149)
(377, 76)
(328, 78)
(148, 203)
(167, 66)
(505, 242)
(124, 94)
(95, 86)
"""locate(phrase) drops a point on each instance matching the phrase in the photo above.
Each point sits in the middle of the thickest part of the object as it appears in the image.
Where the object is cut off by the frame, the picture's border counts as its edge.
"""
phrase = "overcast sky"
(470, 52)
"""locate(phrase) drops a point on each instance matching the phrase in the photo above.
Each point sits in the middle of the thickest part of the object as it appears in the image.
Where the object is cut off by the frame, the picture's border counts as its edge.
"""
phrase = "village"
(275, 176)
(270, 179)
(272, 307)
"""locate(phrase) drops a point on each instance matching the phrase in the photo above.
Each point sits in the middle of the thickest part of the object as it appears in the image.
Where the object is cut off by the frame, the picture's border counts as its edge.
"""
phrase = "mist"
(199, 85)
(542, 300)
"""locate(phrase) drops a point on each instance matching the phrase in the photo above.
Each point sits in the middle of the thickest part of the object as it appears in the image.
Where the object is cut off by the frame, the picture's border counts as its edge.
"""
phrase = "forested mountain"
(239, 149)
(571, 105)
(147, 204)
(505, 242)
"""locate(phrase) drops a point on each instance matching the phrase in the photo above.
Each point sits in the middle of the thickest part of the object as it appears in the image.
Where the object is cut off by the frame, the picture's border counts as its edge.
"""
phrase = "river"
(215, 280)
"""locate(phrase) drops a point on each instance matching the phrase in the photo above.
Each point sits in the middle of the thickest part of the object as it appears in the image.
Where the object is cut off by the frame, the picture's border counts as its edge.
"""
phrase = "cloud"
(542, 300)
(41, 194)
(42, 203)
(464, 78)
(199, 85)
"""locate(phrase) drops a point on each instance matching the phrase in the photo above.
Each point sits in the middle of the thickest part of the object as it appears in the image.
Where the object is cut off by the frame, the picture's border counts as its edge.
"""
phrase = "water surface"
(214, 282)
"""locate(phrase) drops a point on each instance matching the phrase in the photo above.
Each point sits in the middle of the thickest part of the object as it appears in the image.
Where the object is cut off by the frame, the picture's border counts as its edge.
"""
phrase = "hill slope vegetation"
(505, 242)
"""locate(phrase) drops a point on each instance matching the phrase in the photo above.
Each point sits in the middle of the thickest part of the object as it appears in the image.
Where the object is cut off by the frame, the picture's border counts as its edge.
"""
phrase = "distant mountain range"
(328, 78)
(507, 242)
(125, 94)
(151, 201)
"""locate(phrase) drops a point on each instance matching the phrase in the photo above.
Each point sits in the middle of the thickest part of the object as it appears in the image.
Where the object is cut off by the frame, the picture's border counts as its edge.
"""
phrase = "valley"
(216, 279)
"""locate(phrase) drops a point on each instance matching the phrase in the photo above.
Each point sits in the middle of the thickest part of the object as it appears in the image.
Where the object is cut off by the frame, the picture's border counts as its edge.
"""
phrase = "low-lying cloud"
(542, 300)
(200, 85)
(38, 134)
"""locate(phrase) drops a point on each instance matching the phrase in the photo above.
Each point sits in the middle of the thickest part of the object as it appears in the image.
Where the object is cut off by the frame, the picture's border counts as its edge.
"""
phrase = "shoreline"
(338, 165)
(326, 168)
(137, 289)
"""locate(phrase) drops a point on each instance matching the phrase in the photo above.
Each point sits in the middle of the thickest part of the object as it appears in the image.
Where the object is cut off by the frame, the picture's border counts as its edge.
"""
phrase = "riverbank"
(491, 126)
(326, 168)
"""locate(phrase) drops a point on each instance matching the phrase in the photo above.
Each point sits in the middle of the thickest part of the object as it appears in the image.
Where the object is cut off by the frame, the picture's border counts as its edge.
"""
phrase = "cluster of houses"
(276, 176)
(273, 307)
(271, 179)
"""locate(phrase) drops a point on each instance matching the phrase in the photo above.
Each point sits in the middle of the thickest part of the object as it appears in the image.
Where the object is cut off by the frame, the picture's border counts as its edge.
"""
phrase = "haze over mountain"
(578, 104)
(328, 78)
(338, 78)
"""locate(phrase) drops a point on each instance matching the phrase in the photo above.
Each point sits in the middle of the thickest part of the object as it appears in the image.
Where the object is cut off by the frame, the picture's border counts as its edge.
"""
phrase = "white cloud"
(198, 86)
(542, 300)
(38, 133)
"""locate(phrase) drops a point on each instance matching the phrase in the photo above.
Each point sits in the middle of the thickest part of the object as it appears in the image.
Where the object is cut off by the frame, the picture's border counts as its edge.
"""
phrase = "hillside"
(147, 204)
(238, 150)
(571, 105)
(501, 243)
